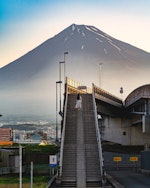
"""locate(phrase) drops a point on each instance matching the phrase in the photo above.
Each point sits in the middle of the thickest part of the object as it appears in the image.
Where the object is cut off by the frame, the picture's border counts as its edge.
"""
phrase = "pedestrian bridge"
(81, 162)
(81, 158)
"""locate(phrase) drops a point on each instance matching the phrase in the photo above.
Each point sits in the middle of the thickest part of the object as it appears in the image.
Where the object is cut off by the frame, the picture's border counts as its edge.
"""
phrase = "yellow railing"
(77, 87)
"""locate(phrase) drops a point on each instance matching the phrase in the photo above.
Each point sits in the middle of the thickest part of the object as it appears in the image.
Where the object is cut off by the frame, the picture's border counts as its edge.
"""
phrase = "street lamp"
(65, 53)
(62, 62)
(60, 74)
(58, 82)
(121, 92)
(100, 75)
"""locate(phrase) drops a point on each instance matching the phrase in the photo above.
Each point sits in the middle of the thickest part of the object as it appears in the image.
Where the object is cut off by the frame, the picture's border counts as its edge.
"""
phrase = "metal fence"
(38, 169)
(119, 160)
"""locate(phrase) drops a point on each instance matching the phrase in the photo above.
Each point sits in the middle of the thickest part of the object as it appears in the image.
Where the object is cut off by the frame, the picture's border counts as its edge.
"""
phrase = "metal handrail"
(106, 94)
(51, 181)
(63, 132)
(98, 134)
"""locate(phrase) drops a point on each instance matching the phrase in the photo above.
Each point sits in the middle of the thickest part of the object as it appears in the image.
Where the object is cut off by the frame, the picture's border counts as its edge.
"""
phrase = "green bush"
(32, 148)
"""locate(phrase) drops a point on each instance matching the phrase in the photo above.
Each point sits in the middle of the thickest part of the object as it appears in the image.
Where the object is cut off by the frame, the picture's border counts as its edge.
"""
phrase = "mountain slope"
(31, 79)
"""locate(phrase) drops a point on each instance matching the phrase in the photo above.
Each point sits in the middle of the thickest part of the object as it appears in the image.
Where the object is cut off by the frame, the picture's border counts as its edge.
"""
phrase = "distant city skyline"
(25, 24)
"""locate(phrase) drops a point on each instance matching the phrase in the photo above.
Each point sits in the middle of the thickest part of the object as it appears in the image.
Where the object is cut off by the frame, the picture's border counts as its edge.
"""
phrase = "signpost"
(53, 163)
(117, 159)
(133, 159)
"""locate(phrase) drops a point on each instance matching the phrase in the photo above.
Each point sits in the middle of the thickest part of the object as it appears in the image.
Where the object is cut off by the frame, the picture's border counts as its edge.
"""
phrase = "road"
(131, 178)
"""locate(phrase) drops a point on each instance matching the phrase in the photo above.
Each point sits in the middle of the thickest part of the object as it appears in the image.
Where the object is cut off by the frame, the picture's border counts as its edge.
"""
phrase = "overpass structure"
(124, 122)
(103, 117)
(81, 162)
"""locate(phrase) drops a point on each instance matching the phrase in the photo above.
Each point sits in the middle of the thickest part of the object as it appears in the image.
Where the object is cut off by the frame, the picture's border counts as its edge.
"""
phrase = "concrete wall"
(115, 130)
(120, 131)
(125, 160)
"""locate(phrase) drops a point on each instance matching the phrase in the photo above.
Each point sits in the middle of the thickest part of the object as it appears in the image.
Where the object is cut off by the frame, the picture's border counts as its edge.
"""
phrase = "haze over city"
(36, 33)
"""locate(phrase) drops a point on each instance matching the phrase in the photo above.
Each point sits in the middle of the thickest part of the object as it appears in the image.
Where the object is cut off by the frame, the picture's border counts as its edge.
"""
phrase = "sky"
(24, 24)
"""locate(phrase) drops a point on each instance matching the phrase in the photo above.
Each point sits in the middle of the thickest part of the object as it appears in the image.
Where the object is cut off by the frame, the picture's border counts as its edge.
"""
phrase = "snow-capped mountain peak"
(30, 80)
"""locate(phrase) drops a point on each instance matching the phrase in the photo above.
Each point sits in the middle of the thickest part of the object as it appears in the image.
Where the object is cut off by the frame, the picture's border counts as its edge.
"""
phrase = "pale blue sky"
(24, 24)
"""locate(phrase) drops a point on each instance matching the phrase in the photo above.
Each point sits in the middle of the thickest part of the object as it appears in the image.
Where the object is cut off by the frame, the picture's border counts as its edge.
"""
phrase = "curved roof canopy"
(140, 92)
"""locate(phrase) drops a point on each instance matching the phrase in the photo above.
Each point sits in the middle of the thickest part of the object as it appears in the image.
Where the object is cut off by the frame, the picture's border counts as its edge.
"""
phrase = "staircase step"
(68, 184)
(92, 165)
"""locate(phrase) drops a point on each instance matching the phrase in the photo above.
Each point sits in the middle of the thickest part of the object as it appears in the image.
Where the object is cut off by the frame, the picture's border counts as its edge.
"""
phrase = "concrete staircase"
(93, 177)
(81, 167)
(69, 153)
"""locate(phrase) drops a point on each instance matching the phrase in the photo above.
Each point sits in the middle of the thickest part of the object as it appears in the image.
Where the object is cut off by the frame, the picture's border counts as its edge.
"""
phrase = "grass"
(38, 181)
(25, 185)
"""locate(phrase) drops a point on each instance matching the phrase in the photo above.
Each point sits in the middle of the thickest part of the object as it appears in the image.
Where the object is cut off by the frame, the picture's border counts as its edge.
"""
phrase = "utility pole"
(58, 82)
(20, 162)
(31, 174)
(65, 53)
(60, 63)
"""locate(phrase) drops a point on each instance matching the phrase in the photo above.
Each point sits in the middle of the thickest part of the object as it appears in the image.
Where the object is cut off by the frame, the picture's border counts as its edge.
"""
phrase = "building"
(5, 136)
(37, 136)
(125, 122)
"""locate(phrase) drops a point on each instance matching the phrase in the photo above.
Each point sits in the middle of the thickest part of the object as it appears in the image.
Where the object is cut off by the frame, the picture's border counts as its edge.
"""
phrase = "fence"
(120, 160)
(38, 169)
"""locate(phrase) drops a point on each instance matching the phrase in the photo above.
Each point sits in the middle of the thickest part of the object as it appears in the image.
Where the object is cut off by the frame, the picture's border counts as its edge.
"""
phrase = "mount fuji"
(28, 84)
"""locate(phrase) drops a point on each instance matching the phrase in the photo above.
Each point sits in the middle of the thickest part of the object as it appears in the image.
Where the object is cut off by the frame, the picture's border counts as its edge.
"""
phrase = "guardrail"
(51, 181)
(63, 132)
(107, 97)
(98, 136)
(113, 182)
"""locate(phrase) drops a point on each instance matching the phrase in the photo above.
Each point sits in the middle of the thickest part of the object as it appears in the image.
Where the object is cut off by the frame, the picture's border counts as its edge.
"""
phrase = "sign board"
(117, 159)
(82, 87)
(5, 143)
(133, 159)
(53, 160)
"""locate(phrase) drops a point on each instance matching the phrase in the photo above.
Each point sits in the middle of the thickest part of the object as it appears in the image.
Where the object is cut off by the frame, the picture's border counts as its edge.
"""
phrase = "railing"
(98, 135)
(38, 169)
(63, 131)
(51, 181)
(77, 87)
(71, 87)
(107, 97)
